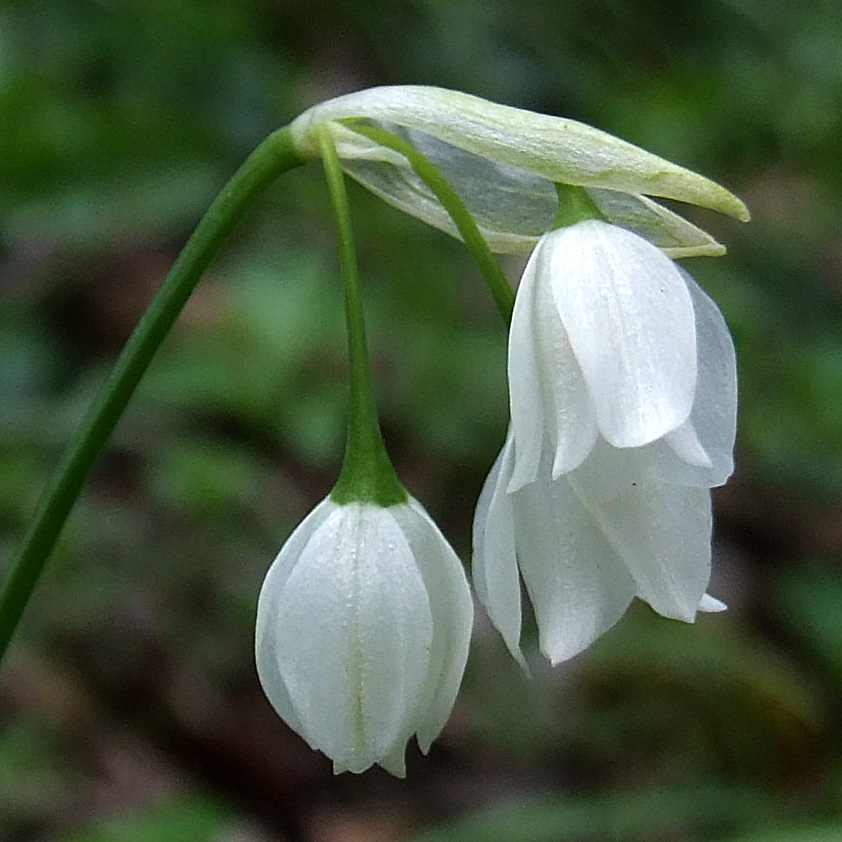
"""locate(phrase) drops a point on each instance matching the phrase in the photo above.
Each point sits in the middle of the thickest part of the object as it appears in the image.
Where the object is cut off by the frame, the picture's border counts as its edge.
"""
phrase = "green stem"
(575, 205)
(426, 170)
(273, 156)
(367, 473)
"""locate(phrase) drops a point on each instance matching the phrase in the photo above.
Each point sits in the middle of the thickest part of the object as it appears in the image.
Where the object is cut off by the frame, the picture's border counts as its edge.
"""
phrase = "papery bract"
(504, 163)
(363, 626)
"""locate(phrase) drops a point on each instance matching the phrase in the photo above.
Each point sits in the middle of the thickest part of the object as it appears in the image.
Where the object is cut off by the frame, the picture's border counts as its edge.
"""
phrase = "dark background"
(129, 707)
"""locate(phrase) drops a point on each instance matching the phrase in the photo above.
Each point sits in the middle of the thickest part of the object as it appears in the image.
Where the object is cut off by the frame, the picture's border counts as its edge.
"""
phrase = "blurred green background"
(129, 708)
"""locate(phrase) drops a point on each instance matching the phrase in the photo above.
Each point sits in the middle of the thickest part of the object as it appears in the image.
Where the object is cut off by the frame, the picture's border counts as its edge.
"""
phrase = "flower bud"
(363, 625)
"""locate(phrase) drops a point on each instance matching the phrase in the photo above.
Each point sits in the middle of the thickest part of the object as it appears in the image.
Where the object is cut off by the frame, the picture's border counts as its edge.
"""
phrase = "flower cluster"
(622, 383)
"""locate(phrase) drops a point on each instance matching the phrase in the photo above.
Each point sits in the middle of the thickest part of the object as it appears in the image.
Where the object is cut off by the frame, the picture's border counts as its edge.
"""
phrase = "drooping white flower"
(622, 382)
(363, 625)
(504, 162)
(611, 340)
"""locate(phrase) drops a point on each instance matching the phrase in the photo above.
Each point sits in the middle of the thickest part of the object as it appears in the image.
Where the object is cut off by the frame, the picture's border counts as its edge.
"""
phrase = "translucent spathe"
(504, 163)
(363, 625)
(622, 379)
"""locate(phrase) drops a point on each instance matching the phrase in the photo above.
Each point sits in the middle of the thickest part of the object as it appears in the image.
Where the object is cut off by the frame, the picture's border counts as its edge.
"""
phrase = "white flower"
(363, 626)
(622, 383)
(604, 344)
(504, 163)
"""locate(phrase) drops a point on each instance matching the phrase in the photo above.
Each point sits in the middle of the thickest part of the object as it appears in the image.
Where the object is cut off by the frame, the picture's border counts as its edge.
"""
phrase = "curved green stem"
(426, 170)
(272, 157)
(367, 473)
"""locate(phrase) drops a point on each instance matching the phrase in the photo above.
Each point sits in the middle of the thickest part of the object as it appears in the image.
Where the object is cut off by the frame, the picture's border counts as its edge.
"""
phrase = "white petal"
(266, 626)
(354, 631)
(684, 442)
(578, 586)
(609, 472)
(714, 414)
(571, 426)
(494, 562)
(629, 318)
(394, 762)
(711, 605)
(661, 532)
(525, 379)
(452, 613)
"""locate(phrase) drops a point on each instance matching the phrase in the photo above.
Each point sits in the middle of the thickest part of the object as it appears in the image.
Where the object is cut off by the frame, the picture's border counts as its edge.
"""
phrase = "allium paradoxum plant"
(622, 375)
(623, 402)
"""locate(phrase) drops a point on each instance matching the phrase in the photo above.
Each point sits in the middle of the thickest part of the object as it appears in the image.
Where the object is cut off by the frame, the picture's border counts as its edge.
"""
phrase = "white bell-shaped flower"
(623, 399)
(363, 625)
(611, 340)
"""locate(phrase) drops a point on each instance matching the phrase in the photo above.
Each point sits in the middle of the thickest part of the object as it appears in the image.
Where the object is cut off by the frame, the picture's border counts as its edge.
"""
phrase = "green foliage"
(250, 356)
(808, 600)
(810, 833)
(188, 819)
(690, 704)
(628, 817)
(35, 775)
